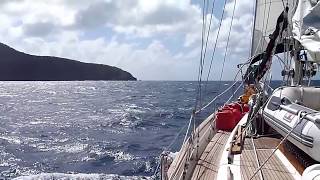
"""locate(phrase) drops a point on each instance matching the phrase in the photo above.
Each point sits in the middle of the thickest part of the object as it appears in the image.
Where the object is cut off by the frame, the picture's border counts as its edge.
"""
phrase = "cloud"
(139, 17)
(4, 2)
(39, 29)
(158, 39)
(97, 14)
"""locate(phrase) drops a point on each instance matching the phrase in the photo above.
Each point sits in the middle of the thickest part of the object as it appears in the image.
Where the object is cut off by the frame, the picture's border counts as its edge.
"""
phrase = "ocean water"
(94, 129)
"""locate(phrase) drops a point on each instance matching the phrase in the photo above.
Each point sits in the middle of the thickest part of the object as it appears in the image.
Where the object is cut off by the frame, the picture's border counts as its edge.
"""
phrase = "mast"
(297, 76)
(272, 18)
(307, 44)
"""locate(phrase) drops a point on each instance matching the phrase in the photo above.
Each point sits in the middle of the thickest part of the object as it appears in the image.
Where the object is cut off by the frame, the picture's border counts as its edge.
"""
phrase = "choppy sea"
(94, 129)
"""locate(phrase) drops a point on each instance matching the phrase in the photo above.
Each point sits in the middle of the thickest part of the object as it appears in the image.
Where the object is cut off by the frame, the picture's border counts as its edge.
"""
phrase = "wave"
(57, 176)
(98, 155)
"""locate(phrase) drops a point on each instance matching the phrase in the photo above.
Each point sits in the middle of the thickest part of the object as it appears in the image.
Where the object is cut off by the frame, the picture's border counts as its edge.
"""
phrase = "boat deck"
(208, 164)
(255, 152)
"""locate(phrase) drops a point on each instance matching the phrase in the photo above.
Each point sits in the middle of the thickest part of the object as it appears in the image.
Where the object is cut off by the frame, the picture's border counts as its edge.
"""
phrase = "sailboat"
(266, 133)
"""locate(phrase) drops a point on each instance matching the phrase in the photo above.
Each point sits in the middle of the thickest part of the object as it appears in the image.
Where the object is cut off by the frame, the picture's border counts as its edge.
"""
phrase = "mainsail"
(306, 27)
(272, 26)
(266, 15)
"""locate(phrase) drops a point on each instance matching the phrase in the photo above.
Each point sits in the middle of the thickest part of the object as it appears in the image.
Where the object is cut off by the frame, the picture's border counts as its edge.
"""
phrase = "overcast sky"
(152, 39)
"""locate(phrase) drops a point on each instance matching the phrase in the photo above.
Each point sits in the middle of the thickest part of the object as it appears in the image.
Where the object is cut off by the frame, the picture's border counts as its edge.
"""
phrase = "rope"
(226, 50)
(169, 147)
(216, 97)
(189, 124)
(250, 60)
(234, 93)
(209, 30)
(253, 24)
(222, 93)
(257, 159)
(266, 28)
(216, 40)
(204, 107)
(198, 95)
(277, 147)
(202, 60)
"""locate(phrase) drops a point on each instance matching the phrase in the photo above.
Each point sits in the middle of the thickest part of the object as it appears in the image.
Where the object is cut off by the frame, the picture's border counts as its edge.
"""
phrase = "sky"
(151, 39)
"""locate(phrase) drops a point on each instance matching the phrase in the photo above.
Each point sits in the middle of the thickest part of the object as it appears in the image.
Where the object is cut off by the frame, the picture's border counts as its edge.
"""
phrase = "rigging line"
(262, 37)
(209, 30)
(198, 95)
(265, 30)
(222, 93)
(215, 44)
(256, 158)
(196, 112)
(281, 61)
(169, 147)
(259, 44)
(207, 39)
(286, 45)
(262, 30)
(204, 19)
(216, 41)
(202, 57)
(250, 60)
(212, 102)
(200, 71)
(228, 40)
(187, 132)
(175, 138)
(273, 1)
(267, 82)
(217, 96)
(252, 118)
(202, 39)
(202, 60)
(265, 25)
(253, 24)
(234, 93)
(277, 147)
(283, 4)
(289, 29)
(226, 90)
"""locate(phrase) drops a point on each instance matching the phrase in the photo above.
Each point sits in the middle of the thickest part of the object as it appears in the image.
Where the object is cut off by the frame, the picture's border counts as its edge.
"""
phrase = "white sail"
(266, 14)
(306, 26)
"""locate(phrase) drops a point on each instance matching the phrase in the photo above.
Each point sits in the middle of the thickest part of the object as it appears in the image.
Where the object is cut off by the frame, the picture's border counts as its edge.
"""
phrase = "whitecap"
(117, 156)
(134, 110)
(68, 148)
(11, 139)
(8, 95)
(71, 148)
(36, 122)
(62, 176)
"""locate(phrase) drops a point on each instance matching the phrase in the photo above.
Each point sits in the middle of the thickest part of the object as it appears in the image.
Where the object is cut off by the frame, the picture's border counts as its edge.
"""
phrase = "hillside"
(19, 66)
